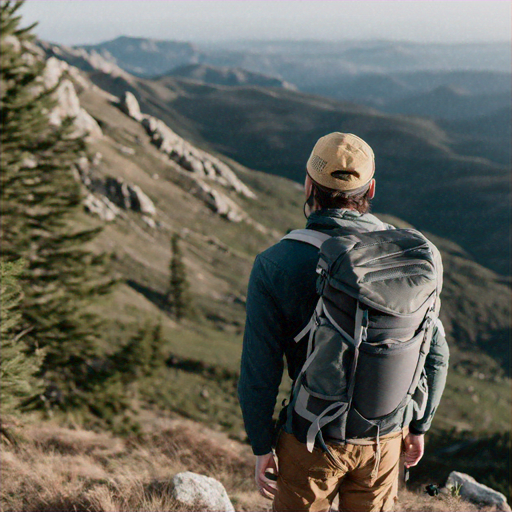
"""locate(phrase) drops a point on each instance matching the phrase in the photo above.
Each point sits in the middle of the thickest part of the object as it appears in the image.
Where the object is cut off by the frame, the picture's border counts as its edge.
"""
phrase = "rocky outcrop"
(81, 59)
(101, 206)
(130, 106)
(187, 156)
(471, 490)
(195, 166)
(201, 492)
(108, 196)
(68, 104)
(128, 196)
(216, 201)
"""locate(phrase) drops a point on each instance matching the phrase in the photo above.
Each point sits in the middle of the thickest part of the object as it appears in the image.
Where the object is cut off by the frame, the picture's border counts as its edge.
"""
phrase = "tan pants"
(311, 481)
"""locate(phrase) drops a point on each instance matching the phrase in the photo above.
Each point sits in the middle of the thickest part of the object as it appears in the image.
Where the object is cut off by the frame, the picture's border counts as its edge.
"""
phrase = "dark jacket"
(281, 298)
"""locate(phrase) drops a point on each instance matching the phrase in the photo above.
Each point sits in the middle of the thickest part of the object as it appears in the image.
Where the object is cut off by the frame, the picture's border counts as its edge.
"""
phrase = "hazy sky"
(90, 21)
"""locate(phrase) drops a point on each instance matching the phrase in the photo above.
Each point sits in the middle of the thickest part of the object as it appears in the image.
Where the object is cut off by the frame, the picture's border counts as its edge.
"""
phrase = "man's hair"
(330, 198)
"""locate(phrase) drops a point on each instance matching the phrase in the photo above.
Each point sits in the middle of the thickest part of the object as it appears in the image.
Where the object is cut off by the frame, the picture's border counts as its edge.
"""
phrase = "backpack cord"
(375, 470)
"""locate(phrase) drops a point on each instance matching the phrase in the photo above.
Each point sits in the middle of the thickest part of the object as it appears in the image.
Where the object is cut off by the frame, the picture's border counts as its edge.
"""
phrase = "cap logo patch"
(317, 163)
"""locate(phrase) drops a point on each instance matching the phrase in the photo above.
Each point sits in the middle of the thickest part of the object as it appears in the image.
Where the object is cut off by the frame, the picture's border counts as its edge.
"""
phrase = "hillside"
(232, 77)
(274, 131)
(143, 165)
(485, 136)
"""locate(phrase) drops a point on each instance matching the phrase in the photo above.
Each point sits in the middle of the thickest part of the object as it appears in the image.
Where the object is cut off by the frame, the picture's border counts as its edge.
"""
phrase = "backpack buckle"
(320, 282)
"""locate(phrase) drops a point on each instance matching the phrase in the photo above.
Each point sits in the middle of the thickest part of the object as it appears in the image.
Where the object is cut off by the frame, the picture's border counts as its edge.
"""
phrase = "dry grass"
(410, 501)
(56, 469)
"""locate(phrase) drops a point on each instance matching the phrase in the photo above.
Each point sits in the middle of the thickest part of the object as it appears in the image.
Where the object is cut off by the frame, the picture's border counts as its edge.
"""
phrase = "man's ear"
(371, 190)
(308, 186)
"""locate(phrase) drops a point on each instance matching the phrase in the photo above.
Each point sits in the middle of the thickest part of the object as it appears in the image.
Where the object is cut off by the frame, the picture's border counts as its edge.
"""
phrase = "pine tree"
(157, 347)
(17, 367)
(41, 208)
(142, 355)
(178, 298)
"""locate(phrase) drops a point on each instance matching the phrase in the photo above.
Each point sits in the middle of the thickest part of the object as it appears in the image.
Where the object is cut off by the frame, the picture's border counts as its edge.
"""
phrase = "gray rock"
(126, 150)
(87, 125)
(127, 196)
(140, 201)
(201, 492)
(149, 221)
(101, 207)
(477, 493)
(96, 159)
(68, 104)
(130, 106)
(217, 202)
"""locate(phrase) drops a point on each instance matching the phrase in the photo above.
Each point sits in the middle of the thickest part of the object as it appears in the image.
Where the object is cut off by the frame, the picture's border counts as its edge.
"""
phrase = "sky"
(74, 22)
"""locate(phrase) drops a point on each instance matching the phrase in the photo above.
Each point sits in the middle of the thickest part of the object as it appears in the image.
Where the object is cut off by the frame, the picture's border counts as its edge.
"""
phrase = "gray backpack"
(368, 336)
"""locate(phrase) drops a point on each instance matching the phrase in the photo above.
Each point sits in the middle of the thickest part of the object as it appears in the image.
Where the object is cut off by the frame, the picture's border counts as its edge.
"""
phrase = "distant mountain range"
(439, 177)
(300, 61)
(441, 81)
(233, 77)
(449, 102)
(146, 57)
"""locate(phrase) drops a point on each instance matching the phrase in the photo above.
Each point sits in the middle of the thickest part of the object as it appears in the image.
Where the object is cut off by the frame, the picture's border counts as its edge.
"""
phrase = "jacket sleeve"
(436, 368)
(262, 360)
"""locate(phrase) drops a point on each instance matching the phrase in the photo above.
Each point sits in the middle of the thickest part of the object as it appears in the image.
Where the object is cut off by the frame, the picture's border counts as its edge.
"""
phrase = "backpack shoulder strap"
(309, 236)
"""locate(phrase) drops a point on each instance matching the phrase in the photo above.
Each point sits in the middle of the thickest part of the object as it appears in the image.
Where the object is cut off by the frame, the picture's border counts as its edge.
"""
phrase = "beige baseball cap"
(341, 161)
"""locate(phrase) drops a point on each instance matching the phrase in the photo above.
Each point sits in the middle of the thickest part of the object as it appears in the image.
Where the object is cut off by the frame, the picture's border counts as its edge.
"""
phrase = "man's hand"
(414, 448)
(266, 486)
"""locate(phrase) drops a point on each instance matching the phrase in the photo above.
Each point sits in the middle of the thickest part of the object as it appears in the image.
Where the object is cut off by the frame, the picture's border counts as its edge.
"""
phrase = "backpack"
(368, 336)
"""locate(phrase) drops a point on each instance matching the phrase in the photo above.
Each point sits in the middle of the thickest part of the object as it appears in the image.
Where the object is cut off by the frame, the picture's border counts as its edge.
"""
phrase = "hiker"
(364, 347)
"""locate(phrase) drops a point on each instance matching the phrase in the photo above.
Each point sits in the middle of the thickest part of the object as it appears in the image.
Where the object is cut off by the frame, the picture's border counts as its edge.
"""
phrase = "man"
(282, 295)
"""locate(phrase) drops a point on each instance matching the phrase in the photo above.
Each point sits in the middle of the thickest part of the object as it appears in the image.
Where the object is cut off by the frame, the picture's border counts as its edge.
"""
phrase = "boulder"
(201, 492)
(53, 71)
(101, 207)
(140, 202)
(130, 106)
(128, 197)
(217, 202)
(87, 125)
(475, 492)
(149, 221)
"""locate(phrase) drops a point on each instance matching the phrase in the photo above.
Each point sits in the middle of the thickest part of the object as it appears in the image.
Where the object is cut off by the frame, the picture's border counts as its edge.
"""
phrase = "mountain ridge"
(273, 130)
(216, 75)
